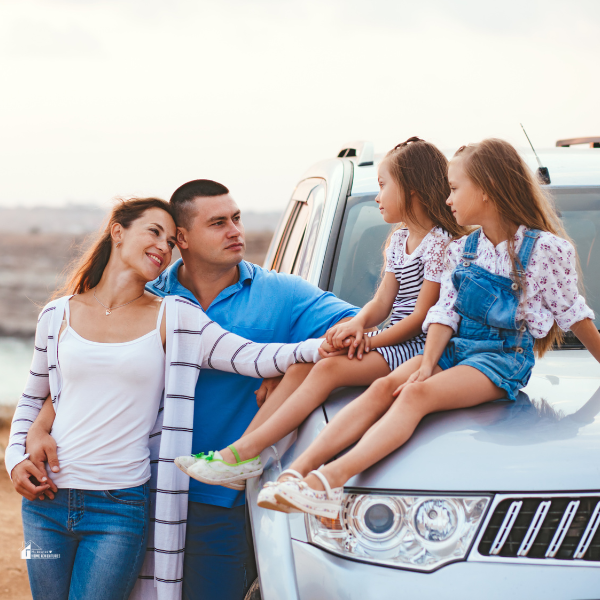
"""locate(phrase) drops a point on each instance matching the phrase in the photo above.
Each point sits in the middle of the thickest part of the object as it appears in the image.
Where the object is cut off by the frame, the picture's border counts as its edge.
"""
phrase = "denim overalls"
(489, 337)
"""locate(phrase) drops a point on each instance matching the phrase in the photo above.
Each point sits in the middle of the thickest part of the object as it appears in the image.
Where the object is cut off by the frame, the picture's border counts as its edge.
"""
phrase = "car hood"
(548, 440)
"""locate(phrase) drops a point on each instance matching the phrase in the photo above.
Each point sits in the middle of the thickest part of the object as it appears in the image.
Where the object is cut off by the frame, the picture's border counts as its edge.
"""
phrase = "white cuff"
(443, 317)
(309, 351)
(11, 462)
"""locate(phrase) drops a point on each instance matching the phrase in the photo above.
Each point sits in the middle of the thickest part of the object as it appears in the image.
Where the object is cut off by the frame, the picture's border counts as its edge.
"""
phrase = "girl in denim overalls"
(508, 288)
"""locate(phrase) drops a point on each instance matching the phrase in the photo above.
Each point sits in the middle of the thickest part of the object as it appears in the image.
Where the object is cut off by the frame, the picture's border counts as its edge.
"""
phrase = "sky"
(104, 98)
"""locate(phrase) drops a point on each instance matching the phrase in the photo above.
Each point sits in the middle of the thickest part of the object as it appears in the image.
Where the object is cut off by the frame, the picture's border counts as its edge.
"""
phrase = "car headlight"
(413, 532)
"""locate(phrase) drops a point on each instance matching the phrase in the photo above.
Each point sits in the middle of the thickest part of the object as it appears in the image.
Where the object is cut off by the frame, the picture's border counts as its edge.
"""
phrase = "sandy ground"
(13, 570)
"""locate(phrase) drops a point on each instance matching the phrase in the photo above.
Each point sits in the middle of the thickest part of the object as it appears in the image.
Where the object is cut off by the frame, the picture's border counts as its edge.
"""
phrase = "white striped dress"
(193, 342)
(410, 270)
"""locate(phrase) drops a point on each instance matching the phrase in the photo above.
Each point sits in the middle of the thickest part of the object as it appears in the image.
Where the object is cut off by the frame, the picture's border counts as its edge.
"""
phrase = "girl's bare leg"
(326, 375)
(292, 380)
(356, 418)
(458, 387)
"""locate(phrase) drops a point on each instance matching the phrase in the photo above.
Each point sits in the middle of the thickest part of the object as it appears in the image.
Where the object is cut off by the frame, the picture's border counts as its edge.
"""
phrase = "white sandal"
(298, 495)
(266, 497)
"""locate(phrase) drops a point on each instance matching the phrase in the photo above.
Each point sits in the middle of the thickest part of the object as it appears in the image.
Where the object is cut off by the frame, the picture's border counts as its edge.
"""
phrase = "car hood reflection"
(548, 440)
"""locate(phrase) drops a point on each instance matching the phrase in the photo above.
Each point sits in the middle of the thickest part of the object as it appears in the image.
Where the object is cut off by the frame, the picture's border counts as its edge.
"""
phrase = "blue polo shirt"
(263, 306)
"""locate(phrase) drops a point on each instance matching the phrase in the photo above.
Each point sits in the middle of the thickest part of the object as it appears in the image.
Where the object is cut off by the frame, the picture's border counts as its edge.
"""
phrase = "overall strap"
(529, 238)
(470, 251)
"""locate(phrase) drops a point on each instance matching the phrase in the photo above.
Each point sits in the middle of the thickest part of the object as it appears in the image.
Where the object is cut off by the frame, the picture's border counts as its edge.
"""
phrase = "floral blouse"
(550, 292)
(431, 251)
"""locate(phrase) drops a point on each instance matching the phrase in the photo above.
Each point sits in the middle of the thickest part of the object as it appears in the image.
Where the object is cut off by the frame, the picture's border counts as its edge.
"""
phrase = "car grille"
(564, 528)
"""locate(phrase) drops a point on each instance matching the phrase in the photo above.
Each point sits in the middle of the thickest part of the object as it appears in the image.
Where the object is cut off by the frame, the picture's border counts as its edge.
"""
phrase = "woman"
(105, 351)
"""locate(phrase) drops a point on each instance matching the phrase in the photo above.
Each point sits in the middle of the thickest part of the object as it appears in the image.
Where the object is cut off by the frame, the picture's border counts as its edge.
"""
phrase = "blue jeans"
(219, 554)
(100, 537)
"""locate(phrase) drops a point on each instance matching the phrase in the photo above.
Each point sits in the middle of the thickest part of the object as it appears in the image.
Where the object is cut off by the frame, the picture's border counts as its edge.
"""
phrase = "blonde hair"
(498, 170)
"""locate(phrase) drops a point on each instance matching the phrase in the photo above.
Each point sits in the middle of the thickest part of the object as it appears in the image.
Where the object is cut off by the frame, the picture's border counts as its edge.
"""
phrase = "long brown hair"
(85, 272)
(498, 170)
(418, 166)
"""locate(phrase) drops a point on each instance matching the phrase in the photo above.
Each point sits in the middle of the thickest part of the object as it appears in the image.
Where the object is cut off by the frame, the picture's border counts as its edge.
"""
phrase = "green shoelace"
(207, 457)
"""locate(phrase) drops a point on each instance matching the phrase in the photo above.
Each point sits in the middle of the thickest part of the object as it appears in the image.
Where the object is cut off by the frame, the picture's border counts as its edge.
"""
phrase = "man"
(262, 306)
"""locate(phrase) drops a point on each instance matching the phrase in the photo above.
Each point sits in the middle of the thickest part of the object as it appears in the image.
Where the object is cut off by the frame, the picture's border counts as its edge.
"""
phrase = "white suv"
(520, 479)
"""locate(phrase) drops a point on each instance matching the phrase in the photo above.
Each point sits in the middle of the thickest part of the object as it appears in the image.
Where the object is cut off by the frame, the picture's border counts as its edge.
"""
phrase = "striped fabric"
(425, 262)
(194, 342)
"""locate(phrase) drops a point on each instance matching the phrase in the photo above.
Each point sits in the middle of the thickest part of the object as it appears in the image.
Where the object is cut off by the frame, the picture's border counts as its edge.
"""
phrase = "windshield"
(358, 263)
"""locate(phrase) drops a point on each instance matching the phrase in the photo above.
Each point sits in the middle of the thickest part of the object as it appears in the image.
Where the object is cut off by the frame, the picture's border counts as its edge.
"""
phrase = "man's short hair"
(183, 198)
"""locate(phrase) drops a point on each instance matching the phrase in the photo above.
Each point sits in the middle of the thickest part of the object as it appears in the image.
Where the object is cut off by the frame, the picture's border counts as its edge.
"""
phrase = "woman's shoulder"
(52, 306)
(187, 311)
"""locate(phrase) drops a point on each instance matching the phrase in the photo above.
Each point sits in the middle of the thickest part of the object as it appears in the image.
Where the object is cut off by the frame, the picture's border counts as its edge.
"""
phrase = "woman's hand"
(327, 350)
(421, 374)
(339, 336)
(22, 476)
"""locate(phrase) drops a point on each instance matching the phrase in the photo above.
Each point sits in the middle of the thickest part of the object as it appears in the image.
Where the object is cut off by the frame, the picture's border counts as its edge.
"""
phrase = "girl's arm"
(588, 335)
(438, 337)
(412, 325)
(372, 313)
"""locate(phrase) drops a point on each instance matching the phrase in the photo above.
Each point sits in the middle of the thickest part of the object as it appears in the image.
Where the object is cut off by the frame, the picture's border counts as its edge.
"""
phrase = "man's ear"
(182, 238)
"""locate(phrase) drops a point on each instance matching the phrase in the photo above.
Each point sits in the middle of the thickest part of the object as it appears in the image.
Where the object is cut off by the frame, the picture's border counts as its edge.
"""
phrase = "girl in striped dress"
(413, 190)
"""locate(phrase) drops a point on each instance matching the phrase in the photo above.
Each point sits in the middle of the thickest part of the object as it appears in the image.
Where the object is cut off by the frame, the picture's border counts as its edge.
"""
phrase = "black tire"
(254, 592)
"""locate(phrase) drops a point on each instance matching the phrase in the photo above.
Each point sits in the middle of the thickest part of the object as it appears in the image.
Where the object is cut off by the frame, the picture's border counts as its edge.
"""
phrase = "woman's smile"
(155, 258)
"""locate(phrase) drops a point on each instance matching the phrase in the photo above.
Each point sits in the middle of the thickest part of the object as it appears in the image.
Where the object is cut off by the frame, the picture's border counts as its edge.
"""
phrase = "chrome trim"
(509, 520)
(589, 533)
(562, 528)
(534, 528)
(475, 556)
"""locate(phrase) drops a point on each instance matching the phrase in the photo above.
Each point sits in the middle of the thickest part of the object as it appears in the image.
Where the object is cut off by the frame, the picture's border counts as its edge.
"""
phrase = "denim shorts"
(499, 359)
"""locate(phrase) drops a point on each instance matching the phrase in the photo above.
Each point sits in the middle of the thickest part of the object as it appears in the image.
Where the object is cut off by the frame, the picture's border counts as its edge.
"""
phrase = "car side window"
(292, 246)
(316, 202)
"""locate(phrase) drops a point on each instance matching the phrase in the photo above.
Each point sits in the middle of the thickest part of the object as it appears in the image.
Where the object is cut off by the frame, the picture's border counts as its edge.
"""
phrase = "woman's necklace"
(109, 309)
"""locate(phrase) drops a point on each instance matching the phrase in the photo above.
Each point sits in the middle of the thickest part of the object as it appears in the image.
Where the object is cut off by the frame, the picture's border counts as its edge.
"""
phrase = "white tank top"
(108, 405)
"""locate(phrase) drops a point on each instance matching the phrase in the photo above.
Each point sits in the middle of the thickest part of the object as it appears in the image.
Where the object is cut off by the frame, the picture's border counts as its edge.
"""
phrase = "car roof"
(578, 167)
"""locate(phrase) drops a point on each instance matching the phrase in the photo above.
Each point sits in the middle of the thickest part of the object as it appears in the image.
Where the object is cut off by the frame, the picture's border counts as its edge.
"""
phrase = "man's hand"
(29, 481)
(41, 447)
(267, 387)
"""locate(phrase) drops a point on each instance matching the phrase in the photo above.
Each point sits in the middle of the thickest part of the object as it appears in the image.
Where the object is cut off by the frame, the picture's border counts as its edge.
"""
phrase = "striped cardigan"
(193, 342)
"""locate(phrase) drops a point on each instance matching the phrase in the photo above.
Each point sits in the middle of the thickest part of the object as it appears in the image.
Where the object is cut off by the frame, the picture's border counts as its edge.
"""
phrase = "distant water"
(15, 360)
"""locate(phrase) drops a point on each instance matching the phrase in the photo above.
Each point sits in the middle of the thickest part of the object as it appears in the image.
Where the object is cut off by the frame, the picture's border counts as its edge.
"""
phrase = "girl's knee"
(412, 397)
(381, 391)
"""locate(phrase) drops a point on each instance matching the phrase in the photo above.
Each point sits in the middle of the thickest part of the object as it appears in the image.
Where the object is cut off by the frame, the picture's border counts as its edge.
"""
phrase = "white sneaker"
(266, 497)
(184, 462)
(297, 494)
(212, 469)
